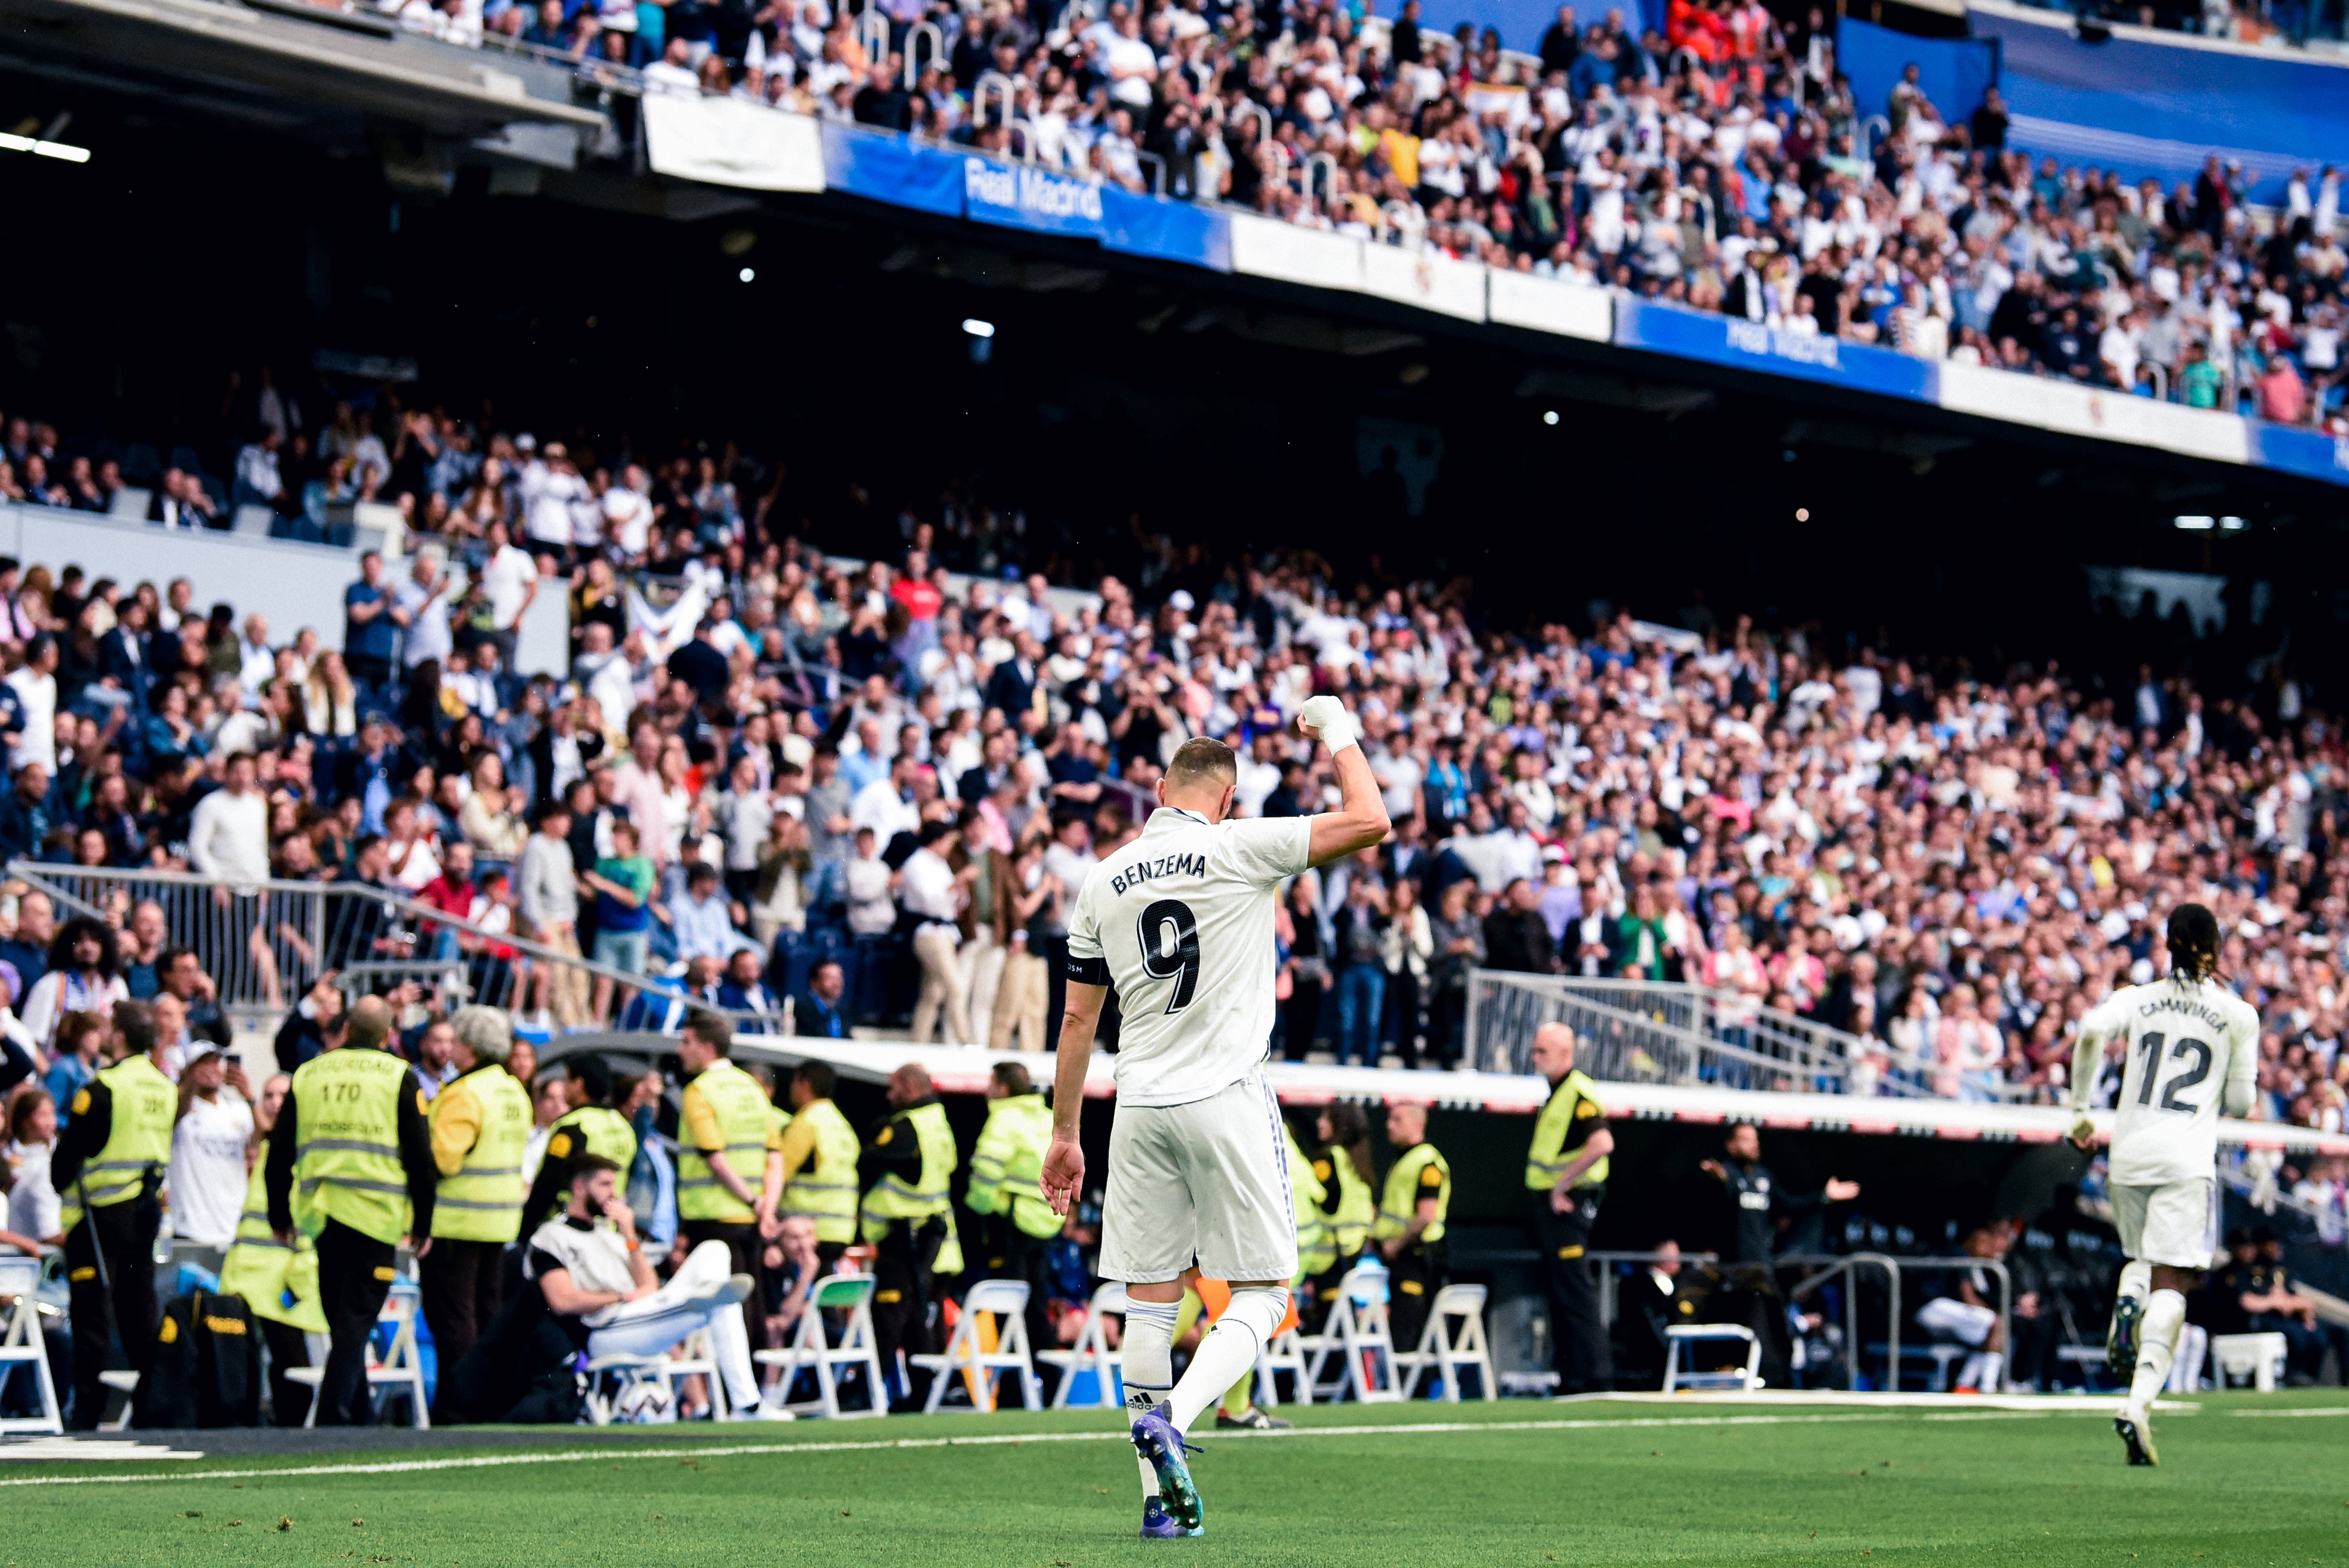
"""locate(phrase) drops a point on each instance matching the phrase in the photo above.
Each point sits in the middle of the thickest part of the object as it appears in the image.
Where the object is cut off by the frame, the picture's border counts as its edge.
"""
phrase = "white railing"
(1635, 1031)
(266, 943)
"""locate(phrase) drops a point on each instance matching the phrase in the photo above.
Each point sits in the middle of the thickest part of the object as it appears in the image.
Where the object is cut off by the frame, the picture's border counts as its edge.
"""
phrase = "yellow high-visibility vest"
(825, 1188)
(482, 1201)
(346, 1165)
(1317, 1250)
(1572, 1114)
(1420, 1174)
(930, 1192)
(138, 1136)
(740, 1104)
(278, 1280)
(1007, 1168)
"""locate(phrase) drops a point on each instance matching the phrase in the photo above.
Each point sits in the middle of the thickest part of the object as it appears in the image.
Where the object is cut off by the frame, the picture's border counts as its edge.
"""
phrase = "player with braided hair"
(2190, 1051)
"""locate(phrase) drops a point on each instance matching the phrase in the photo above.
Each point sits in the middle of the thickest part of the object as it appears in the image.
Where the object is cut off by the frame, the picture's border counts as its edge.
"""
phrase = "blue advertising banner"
(1954, 72)
(1749, 345)
(1170, 230)
(892, 169)
(2311, 454)
(1018, 197)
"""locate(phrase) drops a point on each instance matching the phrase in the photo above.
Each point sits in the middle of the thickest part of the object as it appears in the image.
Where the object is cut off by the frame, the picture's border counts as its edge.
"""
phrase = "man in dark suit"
(1402, 43)
(122, 656)
(1013, 686)
(822, 1012)
(1002, 748)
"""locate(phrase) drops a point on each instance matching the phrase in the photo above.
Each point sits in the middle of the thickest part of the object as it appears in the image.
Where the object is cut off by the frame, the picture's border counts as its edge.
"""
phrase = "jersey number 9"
(1170, 948)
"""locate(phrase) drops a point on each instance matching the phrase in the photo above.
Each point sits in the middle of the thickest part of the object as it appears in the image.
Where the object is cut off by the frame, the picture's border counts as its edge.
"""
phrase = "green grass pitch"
(2246, 1482)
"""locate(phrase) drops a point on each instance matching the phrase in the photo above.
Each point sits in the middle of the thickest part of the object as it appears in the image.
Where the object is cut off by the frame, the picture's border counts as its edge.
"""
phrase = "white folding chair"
(1438, 1352)
(1689, 1333)
(1357, 1334)
(811, 1350)
(1285, 1354)
(1092, 1352)
(21, 1343)
(401, 1372)
(1006, 1301)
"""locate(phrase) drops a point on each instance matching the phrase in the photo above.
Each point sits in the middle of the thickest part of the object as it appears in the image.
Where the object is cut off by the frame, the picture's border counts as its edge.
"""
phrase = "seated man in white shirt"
(590, 1265)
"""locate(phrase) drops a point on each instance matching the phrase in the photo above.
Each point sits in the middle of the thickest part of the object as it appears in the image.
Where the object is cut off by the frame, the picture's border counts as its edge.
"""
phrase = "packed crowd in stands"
(862, 795)
(1723, 164)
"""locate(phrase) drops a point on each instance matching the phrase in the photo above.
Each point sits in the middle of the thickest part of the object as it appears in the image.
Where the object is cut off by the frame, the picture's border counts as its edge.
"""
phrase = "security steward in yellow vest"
(1346, 1206)
(729, 1166)
(355, 1144)
(819, 1150)
(1567, 1171)
(482, 1124)
(1408, 1233)
(592, 1126)
(1006, 1168)
(908, 1166)
(107, 1170)
(278, 1280)
(1308, 1192)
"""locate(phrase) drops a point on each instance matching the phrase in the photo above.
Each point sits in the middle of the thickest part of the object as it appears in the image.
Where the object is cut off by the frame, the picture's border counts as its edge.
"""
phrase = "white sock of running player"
(1230, 1349)
(2165, 1324)
(2137, 1280)
(1970, 1375)
(1147, 1367)
(1991, 1372)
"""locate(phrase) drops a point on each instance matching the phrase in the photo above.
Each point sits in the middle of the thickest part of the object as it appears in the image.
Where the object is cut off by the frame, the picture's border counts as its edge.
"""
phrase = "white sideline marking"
(2317, 1410)
(614, 1454)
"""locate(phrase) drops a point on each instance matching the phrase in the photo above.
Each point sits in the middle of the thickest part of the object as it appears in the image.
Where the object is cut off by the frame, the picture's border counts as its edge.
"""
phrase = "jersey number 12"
(2149, 1047)
(1170, 948)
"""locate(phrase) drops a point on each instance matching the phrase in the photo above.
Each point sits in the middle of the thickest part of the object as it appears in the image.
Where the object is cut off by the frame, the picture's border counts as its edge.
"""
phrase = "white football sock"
(1992, 1370)
(1230, 1348)
(2164, 1327)
(1148, 1368)
(2137, 1280)
(1969, 1376)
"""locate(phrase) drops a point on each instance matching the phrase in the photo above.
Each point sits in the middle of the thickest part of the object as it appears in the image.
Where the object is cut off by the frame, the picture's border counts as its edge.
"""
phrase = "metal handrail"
(1004, 87)
(872, 33)
(1830, 1265)
(244, 984)
(913, 36)
(1627, 1037)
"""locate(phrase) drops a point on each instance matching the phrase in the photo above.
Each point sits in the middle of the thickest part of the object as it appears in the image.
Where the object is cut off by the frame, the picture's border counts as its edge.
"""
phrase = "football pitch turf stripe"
(1005, 1439)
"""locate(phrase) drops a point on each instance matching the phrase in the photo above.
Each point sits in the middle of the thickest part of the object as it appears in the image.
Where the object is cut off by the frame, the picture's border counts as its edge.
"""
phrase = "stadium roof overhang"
(280, 67)
(955, 1070)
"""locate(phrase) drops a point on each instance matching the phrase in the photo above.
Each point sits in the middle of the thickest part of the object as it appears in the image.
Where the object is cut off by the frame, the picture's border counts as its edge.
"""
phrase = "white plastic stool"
(2259, 1357)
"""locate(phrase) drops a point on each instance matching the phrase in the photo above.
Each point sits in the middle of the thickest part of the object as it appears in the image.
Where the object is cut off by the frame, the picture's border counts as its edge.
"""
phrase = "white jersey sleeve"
(1270, 850)
(2186, 1044)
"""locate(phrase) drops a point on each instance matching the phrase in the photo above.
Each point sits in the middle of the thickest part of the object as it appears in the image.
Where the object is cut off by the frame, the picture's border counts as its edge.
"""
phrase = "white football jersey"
(2186, 1042)
(1180, 920)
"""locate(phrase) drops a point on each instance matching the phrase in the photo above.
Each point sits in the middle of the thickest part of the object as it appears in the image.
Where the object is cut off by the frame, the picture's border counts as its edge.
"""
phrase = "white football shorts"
(1204, 1182)
(2175, 1223)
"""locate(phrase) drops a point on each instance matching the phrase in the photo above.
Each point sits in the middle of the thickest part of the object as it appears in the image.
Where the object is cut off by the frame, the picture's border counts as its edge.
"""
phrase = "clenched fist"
(1326, 719)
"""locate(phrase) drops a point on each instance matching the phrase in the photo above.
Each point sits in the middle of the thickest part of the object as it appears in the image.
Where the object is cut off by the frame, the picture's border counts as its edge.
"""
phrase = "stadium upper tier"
(1726, 188)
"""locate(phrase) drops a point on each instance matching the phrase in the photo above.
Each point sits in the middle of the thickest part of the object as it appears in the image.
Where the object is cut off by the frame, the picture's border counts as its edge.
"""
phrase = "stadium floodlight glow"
(2194, 524)
(63, 152)
(1550, 416)
(978, 328)
(1802, 514)
(2232, 525)
(747, 273)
